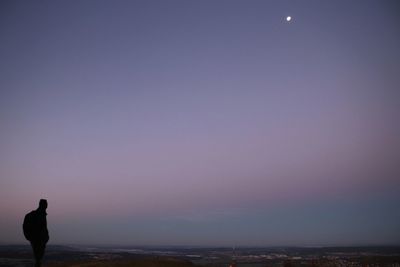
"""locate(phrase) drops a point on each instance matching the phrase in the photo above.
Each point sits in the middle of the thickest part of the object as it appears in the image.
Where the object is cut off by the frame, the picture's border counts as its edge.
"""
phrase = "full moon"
(288, 18)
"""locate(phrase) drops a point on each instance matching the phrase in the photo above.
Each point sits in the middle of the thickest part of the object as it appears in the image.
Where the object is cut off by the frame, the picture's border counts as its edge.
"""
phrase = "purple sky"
(201, 122)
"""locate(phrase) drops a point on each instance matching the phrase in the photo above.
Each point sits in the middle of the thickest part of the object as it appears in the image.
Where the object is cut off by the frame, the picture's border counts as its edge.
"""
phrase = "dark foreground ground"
(79, 256)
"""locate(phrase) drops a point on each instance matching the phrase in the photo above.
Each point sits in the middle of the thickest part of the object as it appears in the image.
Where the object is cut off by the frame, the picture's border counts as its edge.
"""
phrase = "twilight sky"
(201, 122)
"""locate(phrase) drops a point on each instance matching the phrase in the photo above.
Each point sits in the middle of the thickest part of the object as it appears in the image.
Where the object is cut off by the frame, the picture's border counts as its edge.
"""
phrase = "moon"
(288, 18)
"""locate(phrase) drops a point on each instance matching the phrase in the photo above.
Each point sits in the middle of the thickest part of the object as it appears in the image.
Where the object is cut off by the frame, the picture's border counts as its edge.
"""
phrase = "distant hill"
(150, 262)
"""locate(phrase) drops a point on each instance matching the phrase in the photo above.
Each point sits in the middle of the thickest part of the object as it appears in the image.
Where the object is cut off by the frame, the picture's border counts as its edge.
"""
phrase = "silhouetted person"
(35, 230)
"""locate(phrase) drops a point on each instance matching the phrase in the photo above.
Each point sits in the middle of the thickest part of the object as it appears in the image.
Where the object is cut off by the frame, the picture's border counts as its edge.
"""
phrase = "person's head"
(43, 204)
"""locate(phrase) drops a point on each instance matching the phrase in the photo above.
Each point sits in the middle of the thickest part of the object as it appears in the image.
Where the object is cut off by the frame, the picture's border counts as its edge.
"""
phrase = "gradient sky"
(201, 122)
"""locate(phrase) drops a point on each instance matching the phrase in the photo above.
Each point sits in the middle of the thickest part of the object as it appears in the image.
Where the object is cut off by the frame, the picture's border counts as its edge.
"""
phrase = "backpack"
(29, 225)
